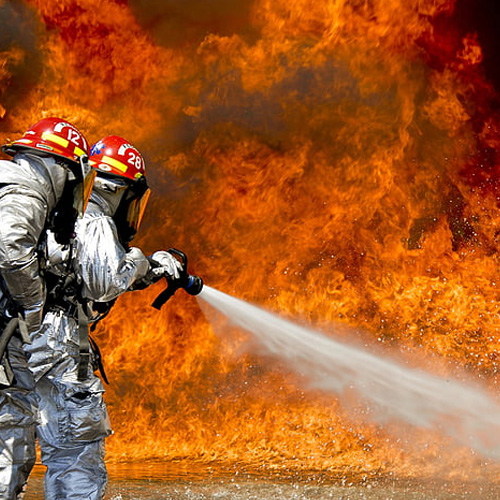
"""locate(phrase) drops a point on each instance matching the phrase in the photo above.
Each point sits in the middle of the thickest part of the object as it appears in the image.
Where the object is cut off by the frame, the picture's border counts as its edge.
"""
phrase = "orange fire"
(332, 160)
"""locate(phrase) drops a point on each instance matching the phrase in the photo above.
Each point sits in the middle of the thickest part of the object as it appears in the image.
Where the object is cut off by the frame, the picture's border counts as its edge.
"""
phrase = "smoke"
(178, 24)
(20, 59)
(482, 17)
(307, 104)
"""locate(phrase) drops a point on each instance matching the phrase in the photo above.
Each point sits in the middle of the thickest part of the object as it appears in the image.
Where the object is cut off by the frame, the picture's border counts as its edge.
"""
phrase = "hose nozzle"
(194, 285)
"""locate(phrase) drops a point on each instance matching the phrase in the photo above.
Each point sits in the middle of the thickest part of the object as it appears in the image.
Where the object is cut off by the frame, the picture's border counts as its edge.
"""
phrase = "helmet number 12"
(73, 136)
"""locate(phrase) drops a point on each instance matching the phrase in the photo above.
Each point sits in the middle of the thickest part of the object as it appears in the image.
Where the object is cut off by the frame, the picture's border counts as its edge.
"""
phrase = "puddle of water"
(173, 481)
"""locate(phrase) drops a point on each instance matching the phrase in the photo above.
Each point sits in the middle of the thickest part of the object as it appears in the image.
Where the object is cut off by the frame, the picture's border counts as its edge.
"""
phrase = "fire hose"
(190, 283)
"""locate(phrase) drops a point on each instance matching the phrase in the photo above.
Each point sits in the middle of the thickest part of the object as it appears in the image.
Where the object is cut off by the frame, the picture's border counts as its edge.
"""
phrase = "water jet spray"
(465, 412)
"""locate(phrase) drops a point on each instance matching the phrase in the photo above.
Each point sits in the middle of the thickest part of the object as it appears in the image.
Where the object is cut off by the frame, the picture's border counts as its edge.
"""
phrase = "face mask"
(130, 212)
(137, 198)
(73, 201)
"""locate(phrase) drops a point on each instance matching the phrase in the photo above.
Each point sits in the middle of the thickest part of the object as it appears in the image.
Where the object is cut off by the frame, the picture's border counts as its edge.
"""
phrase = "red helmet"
(114, 155)
(54, 136)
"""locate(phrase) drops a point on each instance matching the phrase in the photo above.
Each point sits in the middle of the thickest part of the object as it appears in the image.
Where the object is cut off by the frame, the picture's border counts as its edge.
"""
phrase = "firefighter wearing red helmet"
(46, 184)
(118, 162)
(104, 266)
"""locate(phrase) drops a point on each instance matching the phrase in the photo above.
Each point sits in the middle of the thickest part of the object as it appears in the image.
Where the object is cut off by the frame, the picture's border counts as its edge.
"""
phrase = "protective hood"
(104, 201)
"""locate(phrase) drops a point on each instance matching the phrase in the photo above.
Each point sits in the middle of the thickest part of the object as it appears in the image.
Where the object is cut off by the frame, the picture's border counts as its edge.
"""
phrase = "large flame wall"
(334, 160)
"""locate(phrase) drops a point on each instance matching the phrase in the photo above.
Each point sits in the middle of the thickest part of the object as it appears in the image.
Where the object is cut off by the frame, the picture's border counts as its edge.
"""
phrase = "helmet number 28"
(134, 159)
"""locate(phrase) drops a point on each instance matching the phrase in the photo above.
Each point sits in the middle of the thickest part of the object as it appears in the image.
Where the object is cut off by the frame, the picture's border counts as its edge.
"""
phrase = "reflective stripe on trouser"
(71, 432)
(17, 426)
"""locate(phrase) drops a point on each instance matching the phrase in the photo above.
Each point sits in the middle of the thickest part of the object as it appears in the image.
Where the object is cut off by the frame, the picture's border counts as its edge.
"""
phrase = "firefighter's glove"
(162, 265)
(166, 265)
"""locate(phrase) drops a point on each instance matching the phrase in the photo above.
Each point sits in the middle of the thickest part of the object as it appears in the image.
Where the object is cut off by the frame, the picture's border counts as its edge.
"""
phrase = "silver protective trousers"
(17, 426)
(73, 420)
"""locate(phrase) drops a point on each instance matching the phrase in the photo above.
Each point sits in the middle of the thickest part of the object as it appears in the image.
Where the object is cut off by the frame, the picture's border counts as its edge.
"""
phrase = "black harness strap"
(83, 334)
(98, 359)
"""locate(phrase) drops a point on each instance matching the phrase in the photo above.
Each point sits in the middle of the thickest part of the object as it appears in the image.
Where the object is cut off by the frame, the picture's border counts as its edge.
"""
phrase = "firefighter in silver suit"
(46, 184)
(86, 281)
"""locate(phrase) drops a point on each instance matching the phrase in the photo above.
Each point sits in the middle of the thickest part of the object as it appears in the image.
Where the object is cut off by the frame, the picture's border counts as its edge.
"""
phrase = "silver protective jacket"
(30, 187)
(105, 268)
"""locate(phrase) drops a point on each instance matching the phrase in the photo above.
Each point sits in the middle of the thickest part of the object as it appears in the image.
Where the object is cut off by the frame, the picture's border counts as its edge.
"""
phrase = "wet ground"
(168, 482)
